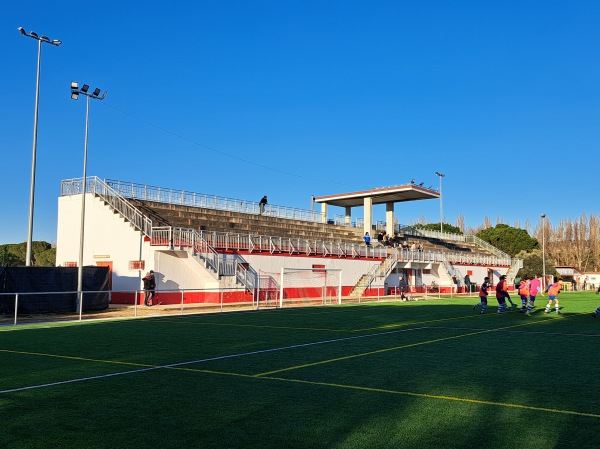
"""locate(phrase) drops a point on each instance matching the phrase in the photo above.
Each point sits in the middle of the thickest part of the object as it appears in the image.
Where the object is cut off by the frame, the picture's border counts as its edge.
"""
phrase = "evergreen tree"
(508, 239)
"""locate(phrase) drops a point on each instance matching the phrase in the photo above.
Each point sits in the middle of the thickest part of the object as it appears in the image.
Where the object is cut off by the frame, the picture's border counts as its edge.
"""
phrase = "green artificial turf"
(421, 374)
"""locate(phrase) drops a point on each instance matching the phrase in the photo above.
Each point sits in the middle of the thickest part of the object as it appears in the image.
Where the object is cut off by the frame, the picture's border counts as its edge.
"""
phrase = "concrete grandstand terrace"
(167, 210)
(173, 207)
(119, 234)
(205, 219)
(208, 221)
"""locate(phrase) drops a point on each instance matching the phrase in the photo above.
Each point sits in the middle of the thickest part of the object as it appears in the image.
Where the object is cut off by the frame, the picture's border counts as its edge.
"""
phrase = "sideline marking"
(440, 397)
(558, 334)
(146, 367)
(331, 385)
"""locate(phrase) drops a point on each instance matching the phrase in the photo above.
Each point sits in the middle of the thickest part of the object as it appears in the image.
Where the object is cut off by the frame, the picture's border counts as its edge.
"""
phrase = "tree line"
(14, 254)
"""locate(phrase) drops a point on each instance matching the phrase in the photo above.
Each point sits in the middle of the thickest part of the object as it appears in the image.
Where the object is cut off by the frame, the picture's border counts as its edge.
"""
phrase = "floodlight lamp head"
(74, 85)
(22, 31)
(56, 42)
(45, 38)
(74, 95)
(33, 34)
(96, 92)
(85, 88)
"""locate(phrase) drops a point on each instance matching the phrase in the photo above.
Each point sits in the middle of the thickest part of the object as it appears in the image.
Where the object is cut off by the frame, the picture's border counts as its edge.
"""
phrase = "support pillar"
(348, 215)
(368, 220)
(324, 212)
(389, 218)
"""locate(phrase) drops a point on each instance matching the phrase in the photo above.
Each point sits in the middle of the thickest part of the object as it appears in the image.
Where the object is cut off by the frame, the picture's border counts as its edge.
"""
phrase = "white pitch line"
(559, 334)
(223, 357)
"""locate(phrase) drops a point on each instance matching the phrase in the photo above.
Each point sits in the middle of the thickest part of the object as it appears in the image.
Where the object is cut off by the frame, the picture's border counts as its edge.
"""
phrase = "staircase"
(136, 213)
(515, 266)
(381, 270)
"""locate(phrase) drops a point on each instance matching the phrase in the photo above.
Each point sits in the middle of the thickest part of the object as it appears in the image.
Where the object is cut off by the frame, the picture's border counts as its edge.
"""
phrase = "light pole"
(543, 217)
(441, 175)
(75, 92)
(56, 43)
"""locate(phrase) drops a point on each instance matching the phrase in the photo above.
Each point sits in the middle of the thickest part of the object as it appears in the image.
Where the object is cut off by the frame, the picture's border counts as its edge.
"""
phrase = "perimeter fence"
(23, 308)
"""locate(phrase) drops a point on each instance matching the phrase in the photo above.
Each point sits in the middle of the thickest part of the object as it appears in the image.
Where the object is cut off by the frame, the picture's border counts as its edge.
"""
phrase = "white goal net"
(300, 285)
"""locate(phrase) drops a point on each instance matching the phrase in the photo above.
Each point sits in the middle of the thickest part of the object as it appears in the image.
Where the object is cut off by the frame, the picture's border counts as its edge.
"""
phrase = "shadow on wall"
(134, 283)
(162, 284)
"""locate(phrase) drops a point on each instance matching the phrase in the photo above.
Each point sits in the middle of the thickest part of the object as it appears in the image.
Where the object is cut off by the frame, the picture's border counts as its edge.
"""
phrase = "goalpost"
(302, 285)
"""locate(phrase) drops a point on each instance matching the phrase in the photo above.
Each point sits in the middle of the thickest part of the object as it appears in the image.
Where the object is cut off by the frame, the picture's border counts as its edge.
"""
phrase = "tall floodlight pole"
(441, 175)
(75, 92)
(56, 43)
(543, 216)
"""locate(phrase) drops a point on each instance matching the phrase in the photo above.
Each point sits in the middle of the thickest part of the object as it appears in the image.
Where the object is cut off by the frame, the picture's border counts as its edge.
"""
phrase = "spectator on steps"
(367, 239)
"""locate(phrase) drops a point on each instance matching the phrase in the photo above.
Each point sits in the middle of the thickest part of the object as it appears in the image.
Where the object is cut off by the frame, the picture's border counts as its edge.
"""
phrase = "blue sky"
(299, 98)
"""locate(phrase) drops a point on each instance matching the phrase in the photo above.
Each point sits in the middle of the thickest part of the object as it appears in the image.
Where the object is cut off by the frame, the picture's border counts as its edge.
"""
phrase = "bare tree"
(460, 223)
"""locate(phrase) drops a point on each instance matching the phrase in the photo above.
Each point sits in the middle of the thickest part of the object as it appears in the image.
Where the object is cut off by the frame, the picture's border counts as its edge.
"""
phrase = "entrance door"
(110, 271)
(418, 278)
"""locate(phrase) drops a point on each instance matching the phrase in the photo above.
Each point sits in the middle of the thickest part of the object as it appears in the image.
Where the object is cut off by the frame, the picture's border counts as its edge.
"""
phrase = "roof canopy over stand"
(384, 195)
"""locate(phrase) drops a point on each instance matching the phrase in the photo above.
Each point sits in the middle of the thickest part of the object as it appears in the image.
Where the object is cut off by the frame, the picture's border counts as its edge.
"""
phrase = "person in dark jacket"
(262, 203)
(149, 288)
(403, 288)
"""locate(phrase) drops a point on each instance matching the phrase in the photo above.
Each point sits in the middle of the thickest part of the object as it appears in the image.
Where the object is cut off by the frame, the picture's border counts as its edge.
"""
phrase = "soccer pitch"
(421, 374)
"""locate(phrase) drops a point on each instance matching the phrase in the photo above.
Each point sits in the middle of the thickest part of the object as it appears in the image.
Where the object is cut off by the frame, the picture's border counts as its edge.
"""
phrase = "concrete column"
(348, 215)
(368, 219)
(324, 212)
(389, 218)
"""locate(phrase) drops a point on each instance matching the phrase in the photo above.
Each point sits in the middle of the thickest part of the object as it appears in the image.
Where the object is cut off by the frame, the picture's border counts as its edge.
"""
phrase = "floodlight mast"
(543, 217)
(56, 43)
(75, 92)
(441, 175)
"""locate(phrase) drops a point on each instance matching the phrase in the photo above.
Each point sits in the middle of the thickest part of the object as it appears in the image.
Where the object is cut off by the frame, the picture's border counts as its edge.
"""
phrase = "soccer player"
(501, 294)
(483, 294)
(524, 293)
(553, 291)
(534, 288)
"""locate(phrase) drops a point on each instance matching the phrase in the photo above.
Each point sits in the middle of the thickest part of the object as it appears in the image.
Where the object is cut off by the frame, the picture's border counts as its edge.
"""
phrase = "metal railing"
(202, 200)
(451, 237)
(224, 241)
(98, 187)
(492, 249)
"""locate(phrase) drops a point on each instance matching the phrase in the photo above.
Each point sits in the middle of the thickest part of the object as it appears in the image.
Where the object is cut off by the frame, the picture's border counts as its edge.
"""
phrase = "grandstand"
(198, 242)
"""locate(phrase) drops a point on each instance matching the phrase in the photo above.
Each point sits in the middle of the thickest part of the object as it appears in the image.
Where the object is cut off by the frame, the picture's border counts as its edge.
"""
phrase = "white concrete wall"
(179, 270)
(109, 238)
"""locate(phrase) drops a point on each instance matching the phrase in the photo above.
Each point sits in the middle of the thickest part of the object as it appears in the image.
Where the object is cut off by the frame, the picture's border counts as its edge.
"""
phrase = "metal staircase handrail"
(381, 270)
(98, 187)
(448, 236)
(486, 245)
(190, 238)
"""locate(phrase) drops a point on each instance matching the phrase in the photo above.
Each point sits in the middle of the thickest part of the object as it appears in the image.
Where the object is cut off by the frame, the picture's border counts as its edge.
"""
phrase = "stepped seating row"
(202, 219)
(227, 221)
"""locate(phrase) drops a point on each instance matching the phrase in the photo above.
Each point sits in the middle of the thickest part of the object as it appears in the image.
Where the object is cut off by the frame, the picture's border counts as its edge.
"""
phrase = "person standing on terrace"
(262, 203)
